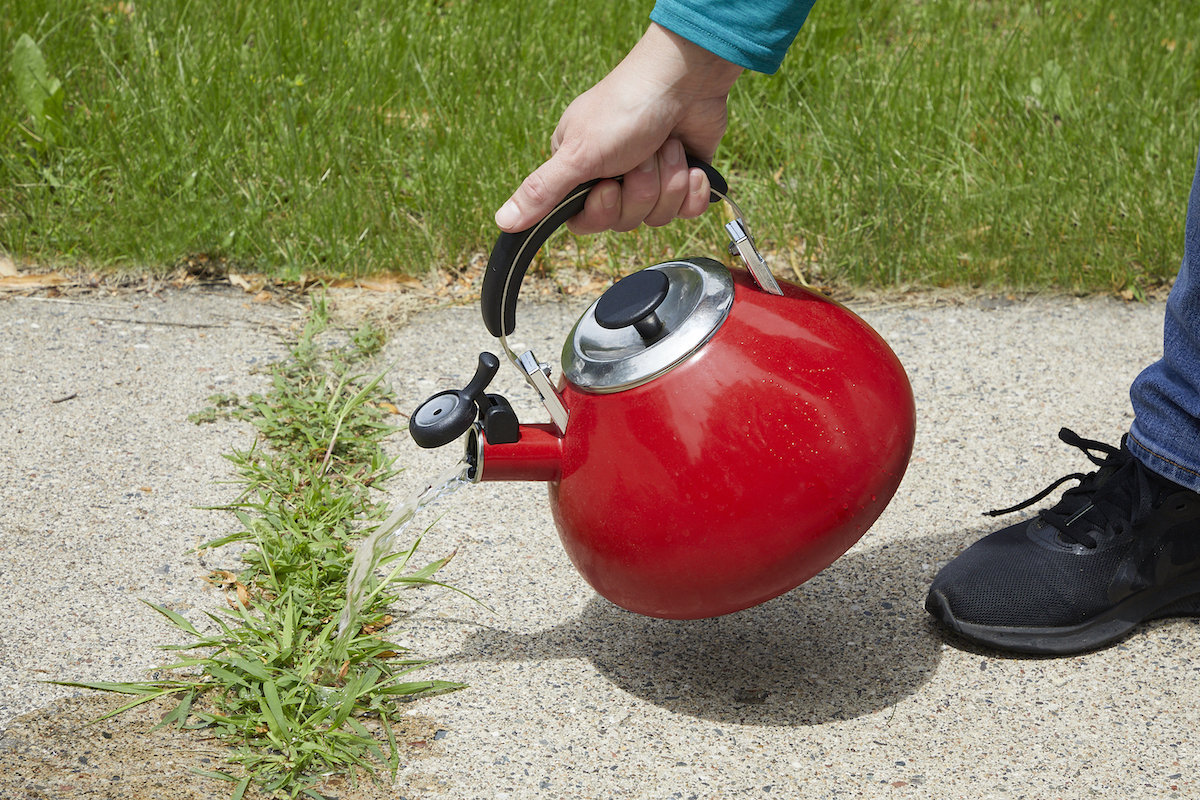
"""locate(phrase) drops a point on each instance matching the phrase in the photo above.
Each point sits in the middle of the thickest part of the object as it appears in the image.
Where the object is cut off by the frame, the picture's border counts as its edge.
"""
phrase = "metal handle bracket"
(742, 244)
(537, 377)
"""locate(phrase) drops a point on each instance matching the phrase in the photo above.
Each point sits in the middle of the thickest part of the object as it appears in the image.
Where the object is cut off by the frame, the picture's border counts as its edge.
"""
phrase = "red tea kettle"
(716, 438)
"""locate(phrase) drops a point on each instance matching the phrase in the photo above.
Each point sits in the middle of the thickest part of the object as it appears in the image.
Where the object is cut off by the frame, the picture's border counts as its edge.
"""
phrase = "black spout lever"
(447, 415)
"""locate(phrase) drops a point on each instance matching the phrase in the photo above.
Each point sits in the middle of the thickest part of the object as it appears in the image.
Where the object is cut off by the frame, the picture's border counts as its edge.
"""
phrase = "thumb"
(539, 194)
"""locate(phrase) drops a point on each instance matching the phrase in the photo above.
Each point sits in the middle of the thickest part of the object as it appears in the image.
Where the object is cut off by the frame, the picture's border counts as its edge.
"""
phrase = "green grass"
(1000, 143)
(268, 677)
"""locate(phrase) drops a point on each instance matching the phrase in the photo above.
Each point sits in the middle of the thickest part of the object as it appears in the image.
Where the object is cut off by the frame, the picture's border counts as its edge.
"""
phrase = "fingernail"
(695, 181)
(648, 165)
(674, 151)
(609, 195)
(508, 215)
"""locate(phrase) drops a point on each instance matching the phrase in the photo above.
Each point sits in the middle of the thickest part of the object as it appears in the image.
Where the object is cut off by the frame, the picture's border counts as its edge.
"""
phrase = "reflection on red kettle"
(716, 438)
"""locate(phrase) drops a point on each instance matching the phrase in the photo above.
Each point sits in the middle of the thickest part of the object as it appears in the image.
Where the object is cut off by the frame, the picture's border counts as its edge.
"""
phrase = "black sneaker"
(1121, 547)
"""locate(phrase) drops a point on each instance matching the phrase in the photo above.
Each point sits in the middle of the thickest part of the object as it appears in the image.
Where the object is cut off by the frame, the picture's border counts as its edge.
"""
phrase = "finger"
(699, 193)
(673, 182)
(601, 210)
(639, 193)
(538, 194)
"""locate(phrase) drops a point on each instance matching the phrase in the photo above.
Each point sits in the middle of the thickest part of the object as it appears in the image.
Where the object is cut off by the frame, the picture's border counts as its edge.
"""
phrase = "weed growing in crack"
(263, 677)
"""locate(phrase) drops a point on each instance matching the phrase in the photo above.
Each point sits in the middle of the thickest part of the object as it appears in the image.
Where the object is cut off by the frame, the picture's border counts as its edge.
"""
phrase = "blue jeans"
(1165, 435)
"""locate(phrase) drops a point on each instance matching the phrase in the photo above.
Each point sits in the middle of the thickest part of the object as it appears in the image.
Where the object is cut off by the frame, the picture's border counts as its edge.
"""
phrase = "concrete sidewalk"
(841, 688)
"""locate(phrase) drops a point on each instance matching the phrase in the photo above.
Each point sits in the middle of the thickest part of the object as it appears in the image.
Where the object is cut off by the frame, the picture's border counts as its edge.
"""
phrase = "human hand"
(665, 99)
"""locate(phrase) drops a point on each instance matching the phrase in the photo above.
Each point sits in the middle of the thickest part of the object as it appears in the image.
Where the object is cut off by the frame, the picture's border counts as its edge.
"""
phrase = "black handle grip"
(514, 252)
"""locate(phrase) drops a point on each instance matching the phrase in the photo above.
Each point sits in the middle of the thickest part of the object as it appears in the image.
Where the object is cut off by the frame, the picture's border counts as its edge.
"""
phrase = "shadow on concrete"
(852, 641)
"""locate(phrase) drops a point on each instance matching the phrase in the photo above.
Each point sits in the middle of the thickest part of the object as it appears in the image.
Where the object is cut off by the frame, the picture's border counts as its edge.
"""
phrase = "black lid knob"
(632, 301)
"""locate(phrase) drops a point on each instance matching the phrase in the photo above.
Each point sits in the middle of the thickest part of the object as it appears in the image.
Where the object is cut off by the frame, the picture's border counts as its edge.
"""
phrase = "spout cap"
(448, 415)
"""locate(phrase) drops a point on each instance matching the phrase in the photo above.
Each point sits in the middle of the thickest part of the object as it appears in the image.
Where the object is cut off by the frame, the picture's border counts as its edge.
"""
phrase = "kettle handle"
(514, 252)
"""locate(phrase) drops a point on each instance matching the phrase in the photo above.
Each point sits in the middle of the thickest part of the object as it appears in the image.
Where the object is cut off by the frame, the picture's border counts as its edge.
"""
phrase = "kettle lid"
(646, 324)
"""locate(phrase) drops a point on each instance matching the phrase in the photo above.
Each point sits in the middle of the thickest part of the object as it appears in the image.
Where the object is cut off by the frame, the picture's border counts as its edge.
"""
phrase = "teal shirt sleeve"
(754, 34)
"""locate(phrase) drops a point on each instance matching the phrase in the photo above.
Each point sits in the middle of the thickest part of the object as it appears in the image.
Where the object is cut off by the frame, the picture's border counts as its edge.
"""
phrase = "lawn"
(993, 144)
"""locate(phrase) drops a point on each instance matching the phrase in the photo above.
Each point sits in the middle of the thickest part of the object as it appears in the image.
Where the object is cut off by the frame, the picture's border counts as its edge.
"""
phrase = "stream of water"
(376, 546)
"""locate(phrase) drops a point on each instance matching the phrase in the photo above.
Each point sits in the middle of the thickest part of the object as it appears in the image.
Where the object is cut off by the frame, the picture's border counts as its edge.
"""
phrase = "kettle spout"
(537, 456)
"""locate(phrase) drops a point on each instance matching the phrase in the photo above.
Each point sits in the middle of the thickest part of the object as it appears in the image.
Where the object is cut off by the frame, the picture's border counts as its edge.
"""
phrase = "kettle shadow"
(852, 641)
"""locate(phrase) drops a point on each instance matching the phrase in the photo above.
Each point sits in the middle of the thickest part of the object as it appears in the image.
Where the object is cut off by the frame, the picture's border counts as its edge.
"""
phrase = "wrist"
(683, 66)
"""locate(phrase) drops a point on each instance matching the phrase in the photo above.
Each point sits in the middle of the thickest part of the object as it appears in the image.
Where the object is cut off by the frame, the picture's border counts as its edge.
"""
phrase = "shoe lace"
(1114, 498)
